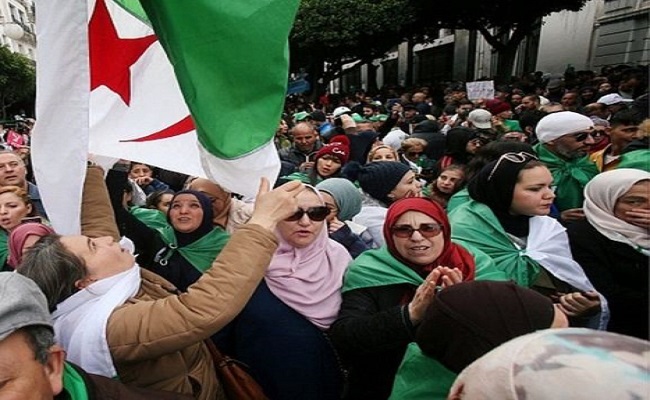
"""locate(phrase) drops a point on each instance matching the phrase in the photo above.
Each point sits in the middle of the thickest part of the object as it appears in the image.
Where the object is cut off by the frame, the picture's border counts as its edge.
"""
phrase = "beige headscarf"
(601, 194)
(572, 363)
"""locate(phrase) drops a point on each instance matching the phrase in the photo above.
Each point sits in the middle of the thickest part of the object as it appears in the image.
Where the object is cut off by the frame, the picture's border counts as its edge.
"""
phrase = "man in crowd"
(622, 131)
(564, 140)
(530, 103)
(305, 146)
(14, 173)
(419, 100)
(32, 365)
(614, 103)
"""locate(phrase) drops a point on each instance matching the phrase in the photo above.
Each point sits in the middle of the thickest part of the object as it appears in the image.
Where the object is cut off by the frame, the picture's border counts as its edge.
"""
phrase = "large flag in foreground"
(105, 85)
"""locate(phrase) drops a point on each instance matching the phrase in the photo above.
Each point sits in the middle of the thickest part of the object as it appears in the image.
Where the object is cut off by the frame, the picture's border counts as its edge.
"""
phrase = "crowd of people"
(415, 246)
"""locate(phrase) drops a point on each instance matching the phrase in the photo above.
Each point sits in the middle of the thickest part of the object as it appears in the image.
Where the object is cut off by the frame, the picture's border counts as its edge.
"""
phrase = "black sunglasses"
(582, 136)
(314, 213)
(414, 153)
(426, 230)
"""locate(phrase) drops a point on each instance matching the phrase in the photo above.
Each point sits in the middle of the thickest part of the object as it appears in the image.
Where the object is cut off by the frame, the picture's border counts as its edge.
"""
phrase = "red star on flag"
(111, 57)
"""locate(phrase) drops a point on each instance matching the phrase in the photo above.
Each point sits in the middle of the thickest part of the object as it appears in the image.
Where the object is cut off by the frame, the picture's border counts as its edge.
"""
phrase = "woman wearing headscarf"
(613, 244)
(22, 238)
(382, 183)
(463, 323)
(559, 364)
(343, 200)
(178, 246)
(185, 248)
(507, 219)
(490, 152)
(116, 319)
(386, 292)
(280, 333)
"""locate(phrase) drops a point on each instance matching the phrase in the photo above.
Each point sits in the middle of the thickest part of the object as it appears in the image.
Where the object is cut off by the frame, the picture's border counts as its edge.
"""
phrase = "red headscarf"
(452, 256)
(18, 237)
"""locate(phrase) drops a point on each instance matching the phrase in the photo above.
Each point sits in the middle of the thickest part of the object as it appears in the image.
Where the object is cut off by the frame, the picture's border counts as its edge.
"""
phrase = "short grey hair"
(40, 339)
(54, 268)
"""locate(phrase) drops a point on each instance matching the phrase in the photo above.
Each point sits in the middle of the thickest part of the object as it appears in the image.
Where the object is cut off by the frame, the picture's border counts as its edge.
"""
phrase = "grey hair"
(40, 339)
(54, 269)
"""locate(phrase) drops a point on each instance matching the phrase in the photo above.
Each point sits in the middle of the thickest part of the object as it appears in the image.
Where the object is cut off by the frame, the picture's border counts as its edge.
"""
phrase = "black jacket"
(371, 334)
(618, 272)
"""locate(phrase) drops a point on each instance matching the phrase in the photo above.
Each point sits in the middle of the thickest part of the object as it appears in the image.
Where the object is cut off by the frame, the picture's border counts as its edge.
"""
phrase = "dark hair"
(39, 338)
(155, 198)
(531, 118)
(54, 269)
(491, 152)
(530, 165)
(533, 97)
(134, 163)
(450, 109)
(625, 117)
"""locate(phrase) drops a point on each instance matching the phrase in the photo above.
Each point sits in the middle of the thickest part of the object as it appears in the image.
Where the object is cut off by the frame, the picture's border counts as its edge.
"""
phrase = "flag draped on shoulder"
(106, 86)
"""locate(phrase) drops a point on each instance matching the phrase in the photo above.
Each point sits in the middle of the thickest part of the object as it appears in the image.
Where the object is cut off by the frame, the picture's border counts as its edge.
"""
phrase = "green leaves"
(17, 79)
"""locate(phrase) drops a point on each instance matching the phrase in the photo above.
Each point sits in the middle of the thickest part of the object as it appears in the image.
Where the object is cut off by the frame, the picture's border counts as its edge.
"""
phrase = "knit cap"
(378, 179)
(345, 194)
(562, 123)
(339, 147)
(496, 106)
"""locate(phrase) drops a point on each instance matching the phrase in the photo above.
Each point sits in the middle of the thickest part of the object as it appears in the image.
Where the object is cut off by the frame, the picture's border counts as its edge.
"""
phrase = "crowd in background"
(417, 244)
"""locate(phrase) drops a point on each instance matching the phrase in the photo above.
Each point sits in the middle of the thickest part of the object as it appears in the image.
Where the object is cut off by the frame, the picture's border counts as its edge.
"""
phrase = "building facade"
(602, 33)
(17, 27)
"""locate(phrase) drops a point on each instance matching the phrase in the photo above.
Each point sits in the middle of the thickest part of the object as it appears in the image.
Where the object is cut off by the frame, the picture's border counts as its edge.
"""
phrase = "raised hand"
(272, 206)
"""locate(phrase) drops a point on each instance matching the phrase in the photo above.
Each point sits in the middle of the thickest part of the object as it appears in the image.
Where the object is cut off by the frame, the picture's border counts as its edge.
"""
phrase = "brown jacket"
(156, 338)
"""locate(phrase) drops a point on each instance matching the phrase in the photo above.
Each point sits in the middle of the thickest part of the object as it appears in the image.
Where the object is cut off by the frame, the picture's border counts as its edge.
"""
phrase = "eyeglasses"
(516, 158)
(314, 213)
(414, 153)
(426, 230)
(582, 136)
(478, 142)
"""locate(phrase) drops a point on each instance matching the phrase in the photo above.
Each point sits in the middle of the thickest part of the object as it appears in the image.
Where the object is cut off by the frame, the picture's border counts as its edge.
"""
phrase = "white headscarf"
(601, 194)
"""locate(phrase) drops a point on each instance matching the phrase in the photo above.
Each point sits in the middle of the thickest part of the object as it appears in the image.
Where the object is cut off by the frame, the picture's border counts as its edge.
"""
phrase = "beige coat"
(156, 338)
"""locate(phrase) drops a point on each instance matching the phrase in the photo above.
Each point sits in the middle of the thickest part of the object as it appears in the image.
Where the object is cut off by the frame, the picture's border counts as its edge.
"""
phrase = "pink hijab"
(19, 235)
(309, 280)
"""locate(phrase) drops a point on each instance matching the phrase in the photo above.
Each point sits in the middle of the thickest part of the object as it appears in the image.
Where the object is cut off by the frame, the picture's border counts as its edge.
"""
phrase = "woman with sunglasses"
(386, 292)
(280, 333)
(382, 183)
(115, 319)
(507, 219)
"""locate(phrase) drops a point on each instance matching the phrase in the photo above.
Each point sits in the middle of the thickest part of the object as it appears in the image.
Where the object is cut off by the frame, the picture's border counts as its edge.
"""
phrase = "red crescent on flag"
(179, 128)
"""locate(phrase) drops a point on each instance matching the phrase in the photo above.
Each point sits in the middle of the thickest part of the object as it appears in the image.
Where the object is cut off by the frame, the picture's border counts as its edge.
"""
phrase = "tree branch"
(491, 39)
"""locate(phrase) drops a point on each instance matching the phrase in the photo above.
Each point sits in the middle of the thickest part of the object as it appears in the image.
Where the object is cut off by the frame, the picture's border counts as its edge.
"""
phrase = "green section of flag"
(231, 60)
(135, 8)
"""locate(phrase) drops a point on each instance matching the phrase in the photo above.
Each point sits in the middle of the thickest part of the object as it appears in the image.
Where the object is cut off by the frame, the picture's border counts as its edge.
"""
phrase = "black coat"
(618, 272)
(371, 335)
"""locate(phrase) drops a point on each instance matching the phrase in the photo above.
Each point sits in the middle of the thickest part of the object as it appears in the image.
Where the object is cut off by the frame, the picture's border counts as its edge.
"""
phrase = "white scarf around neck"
(80, 320)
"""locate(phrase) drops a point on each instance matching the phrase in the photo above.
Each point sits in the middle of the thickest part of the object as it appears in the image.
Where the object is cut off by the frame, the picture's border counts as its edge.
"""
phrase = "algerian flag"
(106, 86)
